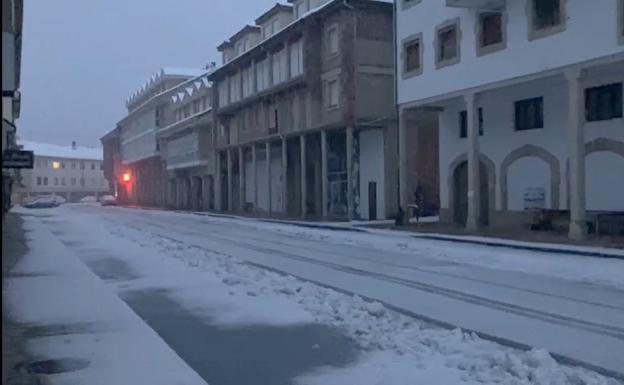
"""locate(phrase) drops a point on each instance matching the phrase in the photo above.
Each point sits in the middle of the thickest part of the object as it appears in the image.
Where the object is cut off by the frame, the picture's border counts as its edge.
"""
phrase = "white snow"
(65, 152)
(54, 288)
(170, 251)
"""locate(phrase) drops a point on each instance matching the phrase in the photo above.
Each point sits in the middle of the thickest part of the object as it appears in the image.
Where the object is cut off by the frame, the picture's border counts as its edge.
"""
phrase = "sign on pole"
(17, 159)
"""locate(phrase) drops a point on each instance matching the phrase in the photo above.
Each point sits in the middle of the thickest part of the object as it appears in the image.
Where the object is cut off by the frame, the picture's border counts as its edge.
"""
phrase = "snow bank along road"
(570, 306)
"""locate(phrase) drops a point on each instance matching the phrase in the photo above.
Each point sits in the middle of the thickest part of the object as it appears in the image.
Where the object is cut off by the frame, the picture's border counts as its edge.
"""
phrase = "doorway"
(460, 194)
(372, 201)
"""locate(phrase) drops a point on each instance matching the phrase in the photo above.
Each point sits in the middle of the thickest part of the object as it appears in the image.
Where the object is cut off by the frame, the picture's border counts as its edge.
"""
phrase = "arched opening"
(460, 194)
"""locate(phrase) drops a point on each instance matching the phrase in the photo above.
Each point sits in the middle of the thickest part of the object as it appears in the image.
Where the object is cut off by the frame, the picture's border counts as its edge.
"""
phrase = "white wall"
(500, 139)
(590, 33)
(372, 170)
(93, 178)
(527, 173)
(604, 181)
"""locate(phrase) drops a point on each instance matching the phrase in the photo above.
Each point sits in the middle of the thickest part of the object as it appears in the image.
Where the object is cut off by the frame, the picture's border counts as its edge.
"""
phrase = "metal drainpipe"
(396, 100)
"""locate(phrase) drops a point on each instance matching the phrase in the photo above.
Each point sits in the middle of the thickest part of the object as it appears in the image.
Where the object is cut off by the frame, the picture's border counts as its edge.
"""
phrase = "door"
(372, 201)
(460, 195)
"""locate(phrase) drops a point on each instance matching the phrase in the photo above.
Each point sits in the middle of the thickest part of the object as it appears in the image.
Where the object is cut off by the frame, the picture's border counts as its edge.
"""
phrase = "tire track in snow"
(605, 330)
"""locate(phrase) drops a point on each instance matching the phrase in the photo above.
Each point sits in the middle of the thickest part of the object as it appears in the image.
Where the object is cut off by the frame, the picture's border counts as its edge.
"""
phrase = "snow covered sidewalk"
(73, 316)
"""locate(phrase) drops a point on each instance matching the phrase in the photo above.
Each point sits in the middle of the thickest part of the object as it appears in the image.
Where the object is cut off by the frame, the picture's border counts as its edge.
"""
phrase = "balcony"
(188, 159)
(477, 4)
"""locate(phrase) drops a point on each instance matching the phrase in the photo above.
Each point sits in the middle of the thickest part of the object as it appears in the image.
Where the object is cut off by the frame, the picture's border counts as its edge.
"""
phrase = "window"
(224, 96)
(38, 181)
(56, 181)
(101, 166)
(529, 114)
(62, 181)
(603, 102)
(332, 40)
(92, 166)
(56, 164)
(447, 44)
(332, 93)
(412, 56)
(280, 62)
(248, 80)
(82, 182)
(491, 32)
(45, 180)
(73, 165)
(463, 123)
(405, 4)
(62, 164)
(235, 88)
(196, 106)
(296, 59)
(268, 30)
(301, 8)
(73, 181)
(82, 165)
(546, 17)
(157, 117)
(273, 119)
(262, 75)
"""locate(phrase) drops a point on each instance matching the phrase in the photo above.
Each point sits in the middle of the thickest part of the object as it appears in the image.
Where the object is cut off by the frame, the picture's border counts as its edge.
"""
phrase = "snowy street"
(176, 298)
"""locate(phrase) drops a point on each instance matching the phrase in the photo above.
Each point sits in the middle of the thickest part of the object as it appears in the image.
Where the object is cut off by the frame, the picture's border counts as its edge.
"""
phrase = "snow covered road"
(570, 306)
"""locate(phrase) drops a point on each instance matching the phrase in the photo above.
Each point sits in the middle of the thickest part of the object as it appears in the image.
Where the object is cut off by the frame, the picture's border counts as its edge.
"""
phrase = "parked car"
(42, 203)
(108, 200)
(89, 199)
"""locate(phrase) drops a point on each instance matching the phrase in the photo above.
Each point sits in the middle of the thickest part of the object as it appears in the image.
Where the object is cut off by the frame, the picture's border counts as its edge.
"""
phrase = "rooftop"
(58, 151)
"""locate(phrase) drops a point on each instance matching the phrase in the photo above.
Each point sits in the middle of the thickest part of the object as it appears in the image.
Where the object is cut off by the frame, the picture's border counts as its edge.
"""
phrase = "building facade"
(12, 17)
(69, 171)
(144, 173)
(304, 113)
(186, 146)
(507, 124)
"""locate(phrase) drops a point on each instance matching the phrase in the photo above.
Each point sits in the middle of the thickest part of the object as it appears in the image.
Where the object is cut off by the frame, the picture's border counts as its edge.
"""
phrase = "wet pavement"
(256, 355)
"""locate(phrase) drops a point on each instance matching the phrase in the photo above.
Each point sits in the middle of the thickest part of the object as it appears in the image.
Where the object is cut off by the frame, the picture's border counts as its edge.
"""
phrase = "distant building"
(69, 171)
(507, 106)
(151, 109)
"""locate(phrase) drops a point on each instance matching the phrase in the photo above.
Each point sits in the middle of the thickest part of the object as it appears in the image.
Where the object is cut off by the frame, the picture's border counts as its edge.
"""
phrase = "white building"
(532, 88)
(69, 171)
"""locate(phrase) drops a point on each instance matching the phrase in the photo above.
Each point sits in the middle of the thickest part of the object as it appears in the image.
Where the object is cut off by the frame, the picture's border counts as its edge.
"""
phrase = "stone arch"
(600, 175)
(491, 169)
(605, 144)
(528, 151)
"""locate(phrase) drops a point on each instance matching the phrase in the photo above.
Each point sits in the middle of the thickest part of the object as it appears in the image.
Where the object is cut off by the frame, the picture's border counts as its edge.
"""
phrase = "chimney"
(73, 144)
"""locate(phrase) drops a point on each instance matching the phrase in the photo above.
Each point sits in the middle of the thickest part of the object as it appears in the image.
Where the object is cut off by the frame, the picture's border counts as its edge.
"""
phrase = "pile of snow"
(89, 199)
(398, 349)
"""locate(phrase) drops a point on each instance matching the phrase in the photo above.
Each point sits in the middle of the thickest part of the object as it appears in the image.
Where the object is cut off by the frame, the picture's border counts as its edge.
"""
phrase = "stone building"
(516, 105)
(305, 115)
(144, 173)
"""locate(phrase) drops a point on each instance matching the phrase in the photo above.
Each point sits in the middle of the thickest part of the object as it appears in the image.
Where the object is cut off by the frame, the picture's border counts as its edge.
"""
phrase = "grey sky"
(82, 58)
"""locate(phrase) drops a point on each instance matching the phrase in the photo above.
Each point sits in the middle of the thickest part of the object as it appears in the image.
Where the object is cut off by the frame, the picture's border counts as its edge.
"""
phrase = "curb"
(442, 238)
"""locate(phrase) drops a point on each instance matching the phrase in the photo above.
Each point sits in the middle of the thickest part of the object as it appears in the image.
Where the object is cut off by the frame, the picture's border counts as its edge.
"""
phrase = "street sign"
(17, 159)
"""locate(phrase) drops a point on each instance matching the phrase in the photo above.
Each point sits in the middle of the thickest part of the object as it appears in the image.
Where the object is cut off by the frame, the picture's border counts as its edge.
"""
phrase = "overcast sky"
(82, 58)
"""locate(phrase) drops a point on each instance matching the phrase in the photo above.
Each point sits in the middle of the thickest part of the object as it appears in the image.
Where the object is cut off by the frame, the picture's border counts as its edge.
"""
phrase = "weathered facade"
(144, 173)
(510, 129)
(186, 146)
(304, 118)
